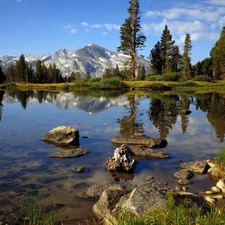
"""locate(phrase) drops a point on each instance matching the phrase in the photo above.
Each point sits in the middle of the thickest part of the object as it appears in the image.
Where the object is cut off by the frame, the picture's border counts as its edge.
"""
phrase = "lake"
(26, 116)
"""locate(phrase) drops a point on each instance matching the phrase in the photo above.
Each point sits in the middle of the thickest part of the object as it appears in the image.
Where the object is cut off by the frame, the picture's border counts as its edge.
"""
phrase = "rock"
(62, 135)
(79, 169)
(183, 181)
(196, 167)
(96, 190)
(221, 185)
(149, 178)
(183, 174)
(72, 153)
(148, 152)
(215, 189)
(140, 139)
(149, 196)
(121, 159)
(210, 199)
(103, 209)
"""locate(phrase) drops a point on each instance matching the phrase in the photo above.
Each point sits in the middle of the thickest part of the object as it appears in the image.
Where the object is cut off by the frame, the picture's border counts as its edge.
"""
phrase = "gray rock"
(147, 152)
(79, 169)
(104, 207)
(149, 196)
(183, 174)
(183, 181)
(140, 139)
(196, 167)
(72, 153)
(149, 178)
(96, 190)
(62, 135)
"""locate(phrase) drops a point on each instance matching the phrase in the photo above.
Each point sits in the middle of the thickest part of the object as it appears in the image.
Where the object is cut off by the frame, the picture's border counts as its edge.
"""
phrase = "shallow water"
(25, 165)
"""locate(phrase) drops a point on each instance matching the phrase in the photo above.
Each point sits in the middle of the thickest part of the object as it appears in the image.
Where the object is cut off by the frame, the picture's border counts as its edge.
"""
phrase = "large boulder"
(149, 196)
(62, 135)
(140, 139)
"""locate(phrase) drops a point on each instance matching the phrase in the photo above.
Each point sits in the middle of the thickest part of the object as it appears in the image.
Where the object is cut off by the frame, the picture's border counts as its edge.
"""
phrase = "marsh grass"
(173, 214)
(33, 211)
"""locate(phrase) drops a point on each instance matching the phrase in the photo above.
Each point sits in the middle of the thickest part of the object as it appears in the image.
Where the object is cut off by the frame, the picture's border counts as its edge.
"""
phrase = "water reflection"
(24, 160)
(1, 105)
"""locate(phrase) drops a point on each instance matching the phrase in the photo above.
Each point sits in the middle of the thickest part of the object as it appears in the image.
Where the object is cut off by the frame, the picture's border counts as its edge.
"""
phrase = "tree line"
(164, 58)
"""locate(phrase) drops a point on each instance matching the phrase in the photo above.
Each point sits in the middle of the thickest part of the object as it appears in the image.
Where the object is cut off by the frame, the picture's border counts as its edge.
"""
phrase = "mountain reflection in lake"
(27, 116)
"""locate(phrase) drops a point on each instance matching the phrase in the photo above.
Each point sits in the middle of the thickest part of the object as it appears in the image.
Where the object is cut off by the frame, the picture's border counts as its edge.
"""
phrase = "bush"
(65, 86)
(94, 79)
(187, 84)
(81, 83)
(152, 77)
(158, 87)
(110, 83)
(202, 78)
(171, 77)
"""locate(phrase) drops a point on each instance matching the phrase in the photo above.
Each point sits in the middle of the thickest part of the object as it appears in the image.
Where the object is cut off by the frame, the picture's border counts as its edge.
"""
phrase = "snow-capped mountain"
(92, 58)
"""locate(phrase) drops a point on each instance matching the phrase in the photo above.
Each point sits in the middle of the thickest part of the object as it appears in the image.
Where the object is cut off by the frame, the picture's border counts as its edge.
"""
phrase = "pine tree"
(20, 69)
(131, 36)
(156, 59)
(167, 49)
(39, 72)
(218, 57)
(2, 75)
(186, 67)
(10, 74)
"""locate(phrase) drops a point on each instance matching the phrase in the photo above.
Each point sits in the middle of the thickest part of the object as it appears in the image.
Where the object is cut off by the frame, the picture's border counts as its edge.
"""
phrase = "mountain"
(92, 58)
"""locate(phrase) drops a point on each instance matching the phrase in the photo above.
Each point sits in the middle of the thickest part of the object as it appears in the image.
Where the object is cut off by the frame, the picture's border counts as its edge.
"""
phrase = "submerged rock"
(72, 153)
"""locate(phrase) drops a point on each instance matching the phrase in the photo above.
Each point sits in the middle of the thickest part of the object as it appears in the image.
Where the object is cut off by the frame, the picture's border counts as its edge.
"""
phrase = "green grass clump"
(220, 159)
(173, 214)
(33, 211)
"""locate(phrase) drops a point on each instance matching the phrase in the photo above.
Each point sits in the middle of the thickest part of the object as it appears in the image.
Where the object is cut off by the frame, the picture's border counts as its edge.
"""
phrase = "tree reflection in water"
(1, 105)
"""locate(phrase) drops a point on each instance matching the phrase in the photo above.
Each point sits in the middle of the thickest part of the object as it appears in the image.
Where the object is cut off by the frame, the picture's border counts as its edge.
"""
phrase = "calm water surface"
(28, 116)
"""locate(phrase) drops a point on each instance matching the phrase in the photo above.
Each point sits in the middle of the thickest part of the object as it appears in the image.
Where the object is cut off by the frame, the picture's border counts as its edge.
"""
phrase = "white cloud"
(18, 0)
(216, 2)
(107, 26)
(73, 31)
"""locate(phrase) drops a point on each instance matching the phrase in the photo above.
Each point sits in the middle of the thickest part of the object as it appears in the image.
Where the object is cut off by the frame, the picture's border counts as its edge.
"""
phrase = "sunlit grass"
(173, 214)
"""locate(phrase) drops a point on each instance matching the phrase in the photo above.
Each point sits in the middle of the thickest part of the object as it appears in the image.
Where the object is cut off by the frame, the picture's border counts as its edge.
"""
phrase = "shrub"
(187, 84)
(171, 77)
(152, 77)
(65, 86)
(202, 78)
(158, 87)
(81, 83)
(95, 79)
(110, 83)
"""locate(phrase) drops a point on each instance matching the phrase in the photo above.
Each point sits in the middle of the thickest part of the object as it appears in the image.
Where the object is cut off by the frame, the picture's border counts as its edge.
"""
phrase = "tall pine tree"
(167, 50)
(131, 36)
(186, 67)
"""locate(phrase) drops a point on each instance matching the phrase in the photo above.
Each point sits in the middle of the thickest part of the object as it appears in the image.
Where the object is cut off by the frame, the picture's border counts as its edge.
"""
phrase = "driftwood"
(121, 159)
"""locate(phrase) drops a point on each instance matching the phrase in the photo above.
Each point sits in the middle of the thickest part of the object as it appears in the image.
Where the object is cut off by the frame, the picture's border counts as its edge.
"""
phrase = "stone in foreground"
(62, 135)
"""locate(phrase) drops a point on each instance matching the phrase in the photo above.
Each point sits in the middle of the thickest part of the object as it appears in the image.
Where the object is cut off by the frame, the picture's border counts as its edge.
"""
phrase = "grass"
(33, 211)
(173, 214)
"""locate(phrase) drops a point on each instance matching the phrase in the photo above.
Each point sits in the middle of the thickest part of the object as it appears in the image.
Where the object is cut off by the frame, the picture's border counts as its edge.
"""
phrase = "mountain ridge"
(91, 58)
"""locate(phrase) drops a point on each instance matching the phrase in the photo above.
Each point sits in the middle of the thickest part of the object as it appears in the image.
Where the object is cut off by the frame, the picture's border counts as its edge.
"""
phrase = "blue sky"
(45, 26)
